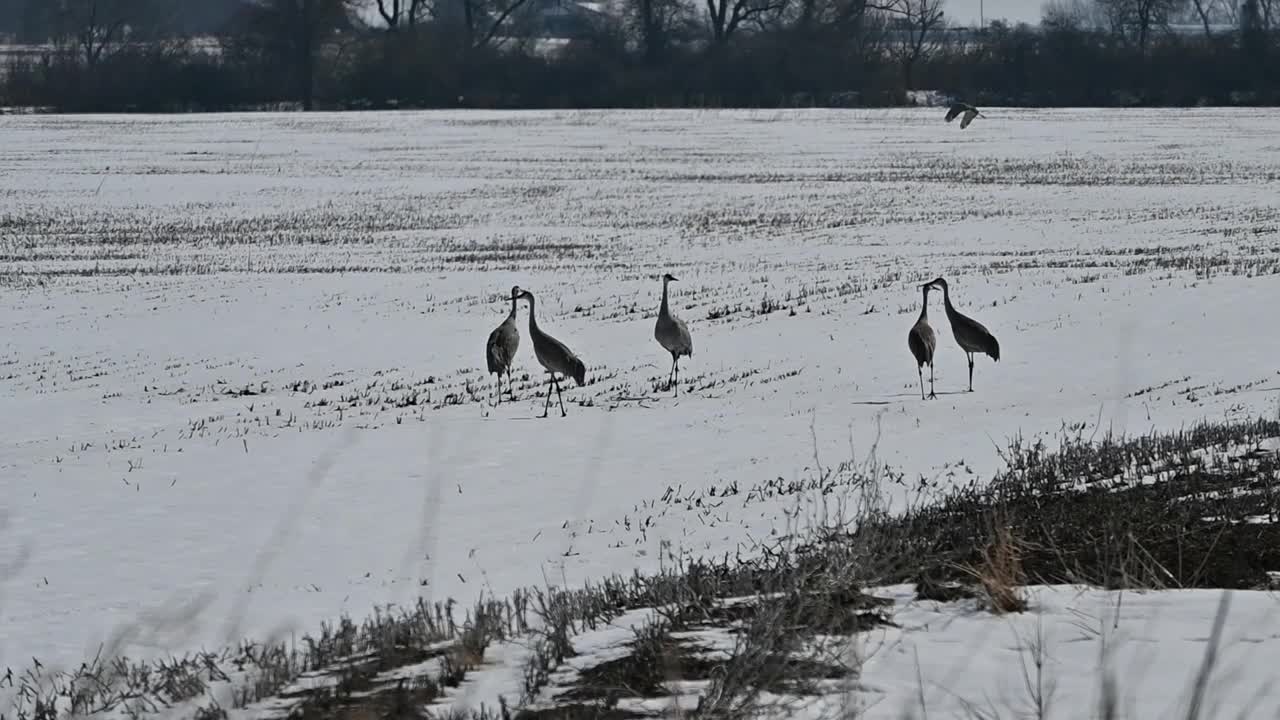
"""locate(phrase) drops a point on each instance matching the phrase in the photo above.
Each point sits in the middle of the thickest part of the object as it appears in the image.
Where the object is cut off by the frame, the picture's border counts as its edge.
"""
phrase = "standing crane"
(672, 334)
(971, 335)
(554, 356)
(922, 341)
(500, 350)
(970, 112)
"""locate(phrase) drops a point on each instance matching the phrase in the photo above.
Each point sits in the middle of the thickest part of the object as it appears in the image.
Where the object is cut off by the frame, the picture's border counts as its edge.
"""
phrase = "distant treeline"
(146, 55)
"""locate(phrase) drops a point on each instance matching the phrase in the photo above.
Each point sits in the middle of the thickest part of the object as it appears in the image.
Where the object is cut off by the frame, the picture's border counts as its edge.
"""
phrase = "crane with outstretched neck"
(971, 335)
(554, 356)
(673, 335)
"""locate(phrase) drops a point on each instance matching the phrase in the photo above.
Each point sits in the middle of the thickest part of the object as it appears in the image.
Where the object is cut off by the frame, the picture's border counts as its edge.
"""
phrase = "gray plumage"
(970, 112)
(554, 356)
(673, 335)
(922, 341)
(971, 335)
(500, 350)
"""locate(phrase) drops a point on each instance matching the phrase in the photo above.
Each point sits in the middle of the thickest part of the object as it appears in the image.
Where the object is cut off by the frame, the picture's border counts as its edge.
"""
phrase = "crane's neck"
(924, 307)
(663, 307)
(946, 299)
(514, 304)
(533, 323)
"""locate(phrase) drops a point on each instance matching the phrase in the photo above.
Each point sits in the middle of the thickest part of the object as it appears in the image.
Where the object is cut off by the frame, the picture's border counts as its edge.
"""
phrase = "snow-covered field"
(241, 356)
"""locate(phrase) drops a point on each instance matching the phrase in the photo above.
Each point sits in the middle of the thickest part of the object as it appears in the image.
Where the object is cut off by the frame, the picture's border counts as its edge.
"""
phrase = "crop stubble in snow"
(195, 308)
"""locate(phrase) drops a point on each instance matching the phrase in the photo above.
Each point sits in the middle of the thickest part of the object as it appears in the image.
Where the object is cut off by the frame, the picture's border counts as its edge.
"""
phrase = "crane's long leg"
(558, 395)
(511, 389)
(675, 369)
(970, 372)
(920, 372)
(499, 393)
(932, 394)
(547, 408)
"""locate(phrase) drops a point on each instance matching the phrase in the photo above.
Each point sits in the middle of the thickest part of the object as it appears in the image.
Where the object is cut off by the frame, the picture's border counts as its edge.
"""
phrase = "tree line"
(183, 55)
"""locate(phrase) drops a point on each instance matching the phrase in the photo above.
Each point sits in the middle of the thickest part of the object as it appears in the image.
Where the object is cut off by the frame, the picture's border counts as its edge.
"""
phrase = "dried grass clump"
(1000, 573)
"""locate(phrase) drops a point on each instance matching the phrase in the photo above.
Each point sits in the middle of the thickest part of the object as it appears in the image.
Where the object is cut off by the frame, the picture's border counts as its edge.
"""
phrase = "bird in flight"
(970, 112)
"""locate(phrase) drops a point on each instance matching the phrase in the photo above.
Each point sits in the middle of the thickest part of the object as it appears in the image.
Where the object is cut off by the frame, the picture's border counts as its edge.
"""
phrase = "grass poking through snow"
(761, 635)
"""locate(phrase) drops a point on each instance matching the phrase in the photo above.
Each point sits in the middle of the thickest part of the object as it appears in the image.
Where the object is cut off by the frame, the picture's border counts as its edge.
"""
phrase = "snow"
(1119, 259)
(1151, 644)
(952, 659)
(500, 677)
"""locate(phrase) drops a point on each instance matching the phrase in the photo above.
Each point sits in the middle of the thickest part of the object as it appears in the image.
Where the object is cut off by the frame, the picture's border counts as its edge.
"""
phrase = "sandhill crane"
(971, 335)
(970, 112)
(500, 350)
(554, 356)
(672, 334)
(923, 342)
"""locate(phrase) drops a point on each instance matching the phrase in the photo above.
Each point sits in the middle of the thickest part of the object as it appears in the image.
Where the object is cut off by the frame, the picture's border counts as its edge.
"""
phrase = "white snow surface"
(1150, 646)
(346, 269)
(1054, 661)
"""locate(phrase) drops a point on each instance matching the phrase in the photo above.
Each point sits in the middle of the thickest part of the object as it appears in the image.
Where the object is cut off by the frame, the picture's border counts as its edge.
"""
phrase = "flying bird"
(673, 335)
(970, 112)
(922, 341)
(971, 335)
(555, 357)
(500, 350)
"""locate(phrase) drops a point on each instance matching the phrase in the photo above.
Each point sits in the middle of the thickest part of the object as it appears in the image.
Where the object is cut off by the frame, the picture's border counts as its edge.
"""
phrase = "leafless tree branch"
(917, 23)
(726, 16)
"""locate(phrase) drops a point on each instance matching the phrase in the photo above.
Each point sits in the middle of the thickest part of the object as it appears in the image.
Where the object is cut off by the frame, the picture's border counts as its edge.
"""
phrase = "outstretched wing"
(969, 115)
(955, 110)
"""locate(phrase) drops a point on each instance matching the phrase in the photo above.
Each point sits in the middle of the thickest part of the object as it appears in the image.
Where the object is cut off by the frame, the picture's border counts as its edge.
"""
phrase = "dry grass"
(792, 608)
(1000, 573)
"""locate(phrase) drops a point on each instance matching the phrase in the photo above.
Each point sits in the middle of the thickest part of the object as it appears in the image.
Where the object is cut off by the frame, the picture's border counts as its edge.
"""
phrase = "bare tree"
(292, 33)
(1230, 12)
(1204, 9)
(100, 28)
(1255, 15)
(839, 16)
(1072, 14)
(816, 31)
(1137, 20)
(1268, 10)
(1209, 12)
(481, 21)
(725, 17)
(396, 13)
(1234, 12)
(916, 26)
(656, 25)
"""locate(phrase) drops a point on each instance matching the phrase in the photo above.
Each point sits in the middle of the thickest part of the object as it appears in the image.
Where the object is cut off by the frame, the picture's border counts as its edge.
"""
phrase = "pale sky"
(966, 12)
